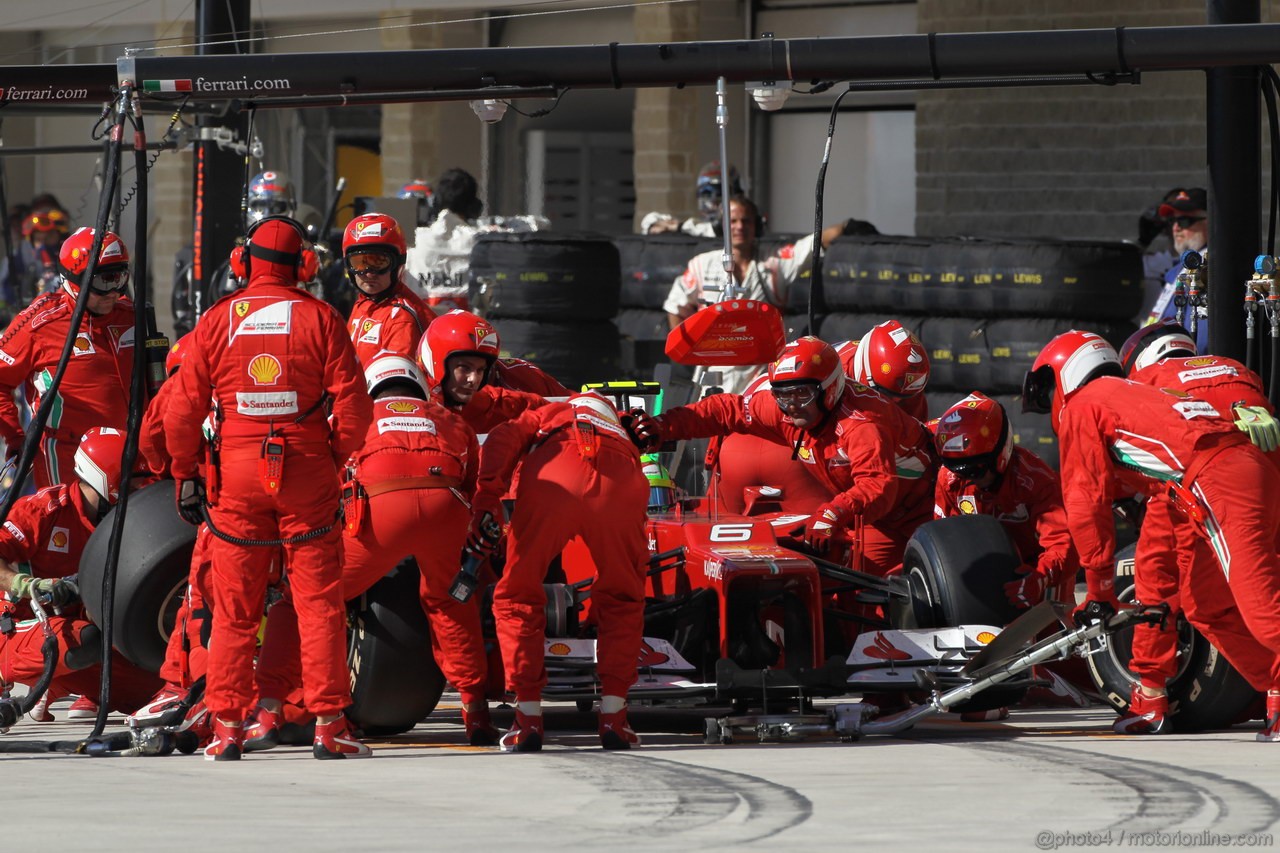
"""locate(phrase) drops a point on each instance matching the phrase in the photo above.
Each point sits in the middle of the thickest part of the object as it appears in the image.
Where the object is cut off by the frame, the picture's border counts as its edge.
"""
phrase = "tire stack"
(650, 263)
(983, 308)
(553, 297)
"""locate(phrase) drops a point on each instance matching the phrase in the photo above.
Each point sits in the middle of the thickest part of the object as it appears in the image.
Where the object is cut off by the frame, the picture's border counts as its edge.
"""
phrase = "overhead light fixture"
(768, 95)
(489, 111)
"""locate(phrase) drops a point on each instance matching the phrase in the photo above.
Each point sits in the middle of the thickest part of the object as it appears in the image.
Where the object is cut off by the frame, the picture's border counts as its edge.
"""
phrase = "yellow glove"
(1257, 423)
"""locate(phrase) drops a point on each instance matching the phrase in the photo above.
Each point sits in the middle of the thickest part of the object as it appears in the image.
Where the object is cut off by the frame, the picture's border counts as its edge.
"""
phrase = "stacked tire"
(553, 297)
(650, 264)
(983, 308)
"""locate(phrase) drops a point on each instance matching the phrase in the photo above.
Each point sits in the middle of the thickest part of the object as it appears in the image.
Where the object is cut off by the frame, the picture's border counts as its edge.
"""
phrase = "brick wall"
(1080, 161)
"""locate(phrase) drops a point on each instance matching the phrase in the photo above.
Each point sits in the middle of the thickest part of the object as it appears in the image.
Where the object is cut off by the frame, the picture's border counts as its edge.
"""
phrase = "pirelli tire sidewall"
(395, 682)
(545, 276)
(1207, 693)
(956, 569)
(154, 564)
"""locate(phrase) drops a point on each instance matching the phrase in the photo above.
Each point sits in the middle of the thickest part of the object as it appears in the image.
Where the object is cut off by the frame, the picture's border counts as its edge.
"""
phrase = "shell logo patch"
(985, 637)
(241, 308)
(83, 344)
(968, 506)
(558, 649)
(402, 407)
(264, 369)
(885, 367)
(805, 454)
(60, 540)
(1198, 362)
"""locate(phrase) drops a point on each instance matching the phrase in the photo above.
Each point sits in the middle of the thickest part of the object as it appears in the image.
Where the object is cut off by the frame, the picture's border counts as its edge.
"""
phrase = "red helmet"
(1065, 365)
(377, 234)
(113, 260)
(456, 333)
(417, 188)
(46, 220)
(1154, 343)
(891, 359)
(810, 360)
(391, 367)
(98, 461)
(973, 437)
(177, 355)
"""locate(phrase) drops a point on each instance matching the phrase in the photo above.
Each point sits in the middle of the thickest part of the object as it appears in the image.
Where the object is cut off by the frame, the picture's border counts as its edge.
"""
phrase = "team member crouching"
(48, 531)
(580, 475)
(984, 474)
(415, 473)
(1121, 437)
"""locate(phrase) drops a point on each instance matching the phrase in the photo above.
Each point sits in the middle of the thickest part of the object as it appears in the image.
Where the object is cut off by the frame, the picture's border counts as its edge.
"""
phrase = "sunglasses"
(106, 283)
(1187, 221)
(798, 396)
(368, 264)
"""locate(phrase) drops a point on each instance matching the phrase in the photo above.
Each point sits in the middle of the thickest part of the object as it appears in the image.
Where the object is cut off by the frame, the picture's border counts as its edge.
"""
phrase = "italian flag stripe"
(166, 85)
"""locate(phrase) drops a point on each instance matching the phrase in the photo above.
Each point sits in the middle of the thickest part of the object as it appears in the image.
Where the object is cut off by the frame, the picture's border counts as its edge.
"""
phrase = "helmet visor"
(369, 263)
(107, 281)
(1037, 391)
(661, 498)
(260, 208)
(797, 396)
(973, 468)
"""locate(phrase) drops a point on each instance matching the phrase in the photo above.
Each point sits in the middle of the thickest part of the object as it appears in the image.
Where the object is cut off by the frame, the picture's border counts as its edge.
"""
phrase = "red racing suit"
(418, 469)
(1027, 502)
(48, 531)
(875, 459)
(1168, 542)
(1120, 438)
(271, 356)
(94, 390)
(569, 486)
(391, 323)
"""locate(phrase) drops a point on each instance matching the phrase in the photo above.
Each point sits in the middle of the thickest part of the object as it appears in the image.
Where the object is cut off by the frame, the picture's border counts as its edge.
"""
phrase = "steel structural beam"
(950, 56)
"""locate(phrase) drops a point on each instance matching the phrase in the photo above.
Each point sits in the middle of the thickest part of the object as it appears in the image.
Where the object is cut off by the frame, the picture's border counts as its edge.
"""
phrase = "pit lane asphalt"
(1045, 779)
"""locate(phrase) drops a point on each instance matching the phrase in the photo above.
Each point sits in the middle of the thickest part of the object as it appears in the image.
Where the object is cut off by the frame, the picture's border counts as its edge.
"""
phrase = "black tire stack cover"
(982, 307)
(553, 297)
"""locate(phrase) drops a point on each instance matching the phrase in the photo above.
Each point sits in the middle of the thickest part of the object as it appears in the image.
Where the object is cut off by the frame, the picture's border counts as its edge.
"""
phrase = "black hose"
(815, 270)
(1269, 98)
(265, 543)
(138, 389)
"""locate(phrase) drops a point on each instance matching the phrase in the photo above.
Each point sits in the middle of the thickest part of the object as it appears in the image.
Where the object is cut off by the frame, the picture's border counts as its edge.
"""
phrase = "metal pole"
(1234, 131)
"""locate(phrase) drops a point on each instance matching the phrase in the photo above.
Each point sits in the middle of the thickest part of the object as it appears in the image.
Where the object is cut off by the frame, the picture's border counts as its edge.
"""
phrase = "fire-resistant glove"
(822, 525)
(191, 501)
(56, 591)
(1257, 423)
(1100, 599)
(486, 524)
(1028, 590)
(645, 430)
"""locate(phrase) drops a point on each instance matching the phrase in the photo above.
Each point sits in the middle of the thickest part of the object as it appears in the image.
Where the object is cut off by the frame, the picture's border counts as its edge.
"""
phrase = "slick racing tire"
(956, 569)
(1207, 693)
(155, 561)
(543, 275)
(395, 682)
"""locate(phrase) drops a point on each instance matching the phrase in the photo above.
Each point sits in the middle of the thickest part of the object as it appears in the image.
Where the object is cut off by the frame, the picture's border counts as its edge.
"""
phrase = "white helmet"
(590, 406)
(389, 367)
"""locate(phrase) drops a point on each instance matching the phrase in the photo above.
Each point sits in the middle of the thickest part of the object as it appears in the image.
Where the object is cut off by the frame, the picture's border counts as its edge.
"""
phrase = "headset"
(305, 262)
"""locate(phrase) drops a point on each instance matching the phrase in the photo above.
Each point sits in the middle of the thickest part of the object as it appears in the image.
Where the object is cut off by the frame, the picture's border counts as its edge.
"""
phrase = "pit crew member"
(892, 360)
(580, 475)
(271, 357)
(415, 472)
(1122, 437)
(983, 473)
(387, 316)
(1163, 355)
(40, 547)
(95, 387)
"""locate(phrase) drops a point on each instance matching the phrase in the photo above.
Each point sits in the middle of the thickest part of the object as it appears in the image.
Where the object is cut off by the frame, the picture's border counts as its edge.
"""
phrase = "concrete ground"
(1045, 779)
